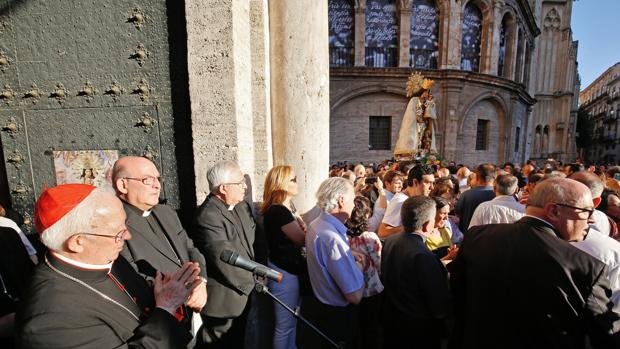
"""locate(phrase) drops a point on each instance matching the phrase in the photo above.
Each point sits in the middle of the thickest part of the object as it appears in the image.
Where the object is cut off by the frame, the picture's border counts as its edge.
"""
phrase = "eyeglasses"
(581, 209)
(117, 238)
(294, 179)
(146, 180)
(240, 183)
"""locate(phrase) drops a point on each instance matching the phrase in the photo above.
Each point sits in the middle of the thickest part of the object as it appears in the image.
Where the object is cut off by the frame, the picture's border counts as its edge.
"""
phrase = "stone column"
(451, 94)
(220, 85)
(360, 31)
(495, 28)
(452, 27)
(404, 34)
(300, 92)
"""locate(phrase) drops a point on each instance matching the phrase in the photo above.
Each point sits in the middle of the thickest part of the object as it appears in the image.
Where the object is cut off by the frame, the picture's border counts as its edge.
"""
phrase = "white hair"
(330, 191)
(78, 220)
(221, 173)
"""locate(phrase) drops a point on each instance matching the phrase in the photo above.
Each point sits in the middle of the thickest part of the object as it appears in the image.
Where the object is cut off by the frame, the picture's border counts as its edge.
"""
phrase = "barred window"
(482, 132)
(379, 131)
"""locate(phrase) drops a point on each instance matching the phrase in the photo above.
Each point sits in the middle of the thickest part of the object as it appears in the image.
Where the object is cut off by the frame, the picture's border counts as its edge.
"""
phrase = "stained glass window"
(424, 34)
(471, 37)
(381, 33)
(341, 42)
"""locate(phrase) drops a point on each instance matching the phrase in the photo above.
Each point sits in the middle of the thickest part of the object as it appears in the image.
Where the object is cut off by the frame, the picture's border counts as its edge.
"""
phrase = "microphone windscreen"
(227, 256)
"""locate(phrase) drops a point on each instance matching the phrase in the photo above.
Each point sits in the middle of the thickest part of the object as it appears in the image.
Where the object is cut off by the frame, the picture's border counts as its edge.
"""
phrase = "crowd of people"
(400, 254)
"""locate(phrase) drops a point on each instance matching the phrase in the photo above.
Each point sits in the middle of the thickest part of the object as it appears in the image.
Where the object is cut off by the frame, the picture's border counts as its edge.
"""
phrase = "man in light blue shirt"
(337, 282)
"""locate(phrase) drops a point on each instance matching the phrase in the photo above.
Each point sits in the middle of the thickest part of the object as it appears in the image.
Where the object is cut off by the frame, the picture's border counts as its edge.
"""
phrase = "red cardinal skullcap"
(54, 203)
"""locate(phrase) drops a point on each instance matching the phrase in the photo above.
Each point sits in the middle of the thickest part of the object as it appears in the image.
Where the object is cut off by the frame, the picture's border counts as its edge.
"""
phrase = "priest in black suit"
(84, 295)
(523, 285)
(159, 242)
(225, 222)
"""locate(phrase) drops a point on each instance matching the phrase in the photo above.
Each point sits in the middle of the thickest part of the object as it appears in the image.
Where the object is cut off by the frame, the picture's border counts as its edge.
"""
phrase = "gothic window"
(501, 61)
(482, 131)
(471, 36)
(537, 140)
(423, 41)
(341, 43)
(379, 131)
(381, 35)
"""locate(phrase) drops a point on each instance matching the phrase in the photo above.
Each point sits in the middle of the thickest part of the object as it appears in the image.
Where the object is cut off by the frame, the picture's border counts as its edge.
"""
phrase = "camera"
(370, 180)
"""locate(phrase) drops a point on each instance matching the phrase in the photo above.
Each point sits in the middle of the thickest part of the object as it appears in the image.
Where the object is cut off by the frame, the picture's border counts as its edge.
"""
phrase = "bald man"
(523, 285)
(159, 241)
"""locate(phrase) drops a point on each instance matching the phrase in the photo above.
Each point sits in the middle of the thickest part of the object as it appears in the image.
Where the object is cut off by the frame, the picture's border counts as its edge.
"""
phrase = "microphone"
(234, 259)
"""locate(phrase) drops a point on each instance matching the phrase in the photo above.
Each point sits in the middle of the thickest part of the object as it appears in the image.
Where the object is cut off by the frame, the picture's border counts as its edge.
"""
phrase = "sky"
(596, 24)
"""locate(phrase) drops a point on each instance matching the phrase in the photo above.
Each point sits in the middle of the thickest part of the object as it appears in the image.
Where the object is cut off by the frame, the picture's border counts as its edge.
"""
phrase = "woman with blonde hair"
(286, 234)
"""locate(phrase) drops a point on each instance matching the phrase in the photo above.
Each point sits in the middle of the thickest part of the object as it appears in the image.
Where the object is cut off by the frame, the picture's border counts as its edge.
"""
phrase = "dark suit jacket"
(60, 313)
(216, 231)
(148, 253)
(416, 283)
(520, 286)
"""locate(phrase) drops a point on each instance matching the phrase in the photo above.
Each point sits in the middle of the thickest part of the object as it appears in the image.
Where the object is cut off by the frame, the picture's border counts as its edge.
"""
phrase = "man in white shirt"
(504, 208)
(419, 182)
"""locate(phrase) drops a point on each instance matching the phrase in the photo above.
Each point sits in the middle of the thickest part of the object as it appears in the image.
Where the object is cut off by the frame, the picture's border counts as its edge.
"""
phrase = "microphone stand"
(260, 285)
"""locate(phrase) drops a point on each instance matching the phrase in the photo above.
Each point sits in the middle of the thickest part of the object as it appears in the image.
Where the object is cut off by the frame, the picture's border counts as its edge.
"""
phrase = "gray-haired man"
(337, 283)
(504, 208)
(225, 222)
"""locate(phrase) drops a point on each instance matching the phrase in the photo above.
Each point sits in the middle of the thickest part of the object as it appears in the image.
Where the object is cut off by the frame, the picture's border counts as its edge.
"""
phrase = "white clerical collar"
(82, 265)
(231, 207)
(146, 213)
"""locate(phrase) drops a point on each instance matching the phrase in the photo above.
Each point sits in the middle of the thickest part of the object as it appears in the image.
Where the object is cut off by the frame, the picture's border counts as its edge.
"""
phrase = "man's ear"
(341, 201)
(597, 201)
(121, 185)
(552, 212)
(75, 243)
(429, 225)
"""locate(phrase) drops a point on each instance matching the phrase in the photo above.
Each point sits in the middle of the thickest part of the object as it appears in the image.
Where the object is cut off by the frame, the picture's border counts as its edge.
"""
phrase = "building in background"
(505, 72)
(601, 102)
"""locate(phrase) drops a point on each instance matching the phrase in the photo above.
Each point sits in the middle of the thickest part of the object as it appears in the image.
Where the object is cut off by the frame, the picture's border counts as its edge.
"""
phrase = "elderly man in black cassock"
(84, 295)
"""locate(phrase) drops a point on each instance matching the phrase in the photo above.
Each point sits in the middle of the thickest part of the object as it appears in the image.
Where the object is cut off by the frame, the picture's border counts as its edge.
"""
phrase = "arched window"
(545, 140)
(381, 33)
(341, 42)
(537, 140)
(501, 59)
(424, 38)
(471, 37)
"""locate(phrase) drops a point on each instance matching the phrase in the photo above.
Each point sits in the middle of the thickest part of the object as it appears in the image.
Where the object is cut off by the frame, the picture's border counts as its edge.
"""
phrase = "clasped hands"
(183, 286)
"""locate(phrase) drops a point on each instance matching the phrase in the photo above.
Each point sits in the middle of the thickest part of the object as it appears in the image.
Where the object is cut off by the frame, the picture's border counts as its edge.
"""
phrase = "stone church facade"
(505, 74)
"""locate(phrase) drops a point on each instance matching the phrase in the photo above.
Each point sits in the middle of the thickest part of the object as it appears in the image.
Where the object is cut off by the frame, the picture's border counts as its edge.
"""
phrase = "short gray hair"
(221, 173)
(330, 191)
(555, 190)
(590, 180)
(506, 184)
(78, 220)
(416, 211)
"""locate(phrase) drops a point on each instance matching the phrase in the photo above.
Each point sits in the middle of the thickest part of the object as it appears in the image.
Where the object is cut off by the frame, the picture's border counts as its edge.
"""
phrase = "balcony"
(381, 57)
(609, 118)
(340, 56)
(424, 59)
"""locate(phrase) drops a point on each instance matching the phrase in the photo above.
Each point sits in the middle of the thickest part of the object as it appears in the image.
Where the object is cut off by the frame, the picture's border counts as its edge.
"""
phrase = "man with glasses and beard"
(523, 285)
(159, 241)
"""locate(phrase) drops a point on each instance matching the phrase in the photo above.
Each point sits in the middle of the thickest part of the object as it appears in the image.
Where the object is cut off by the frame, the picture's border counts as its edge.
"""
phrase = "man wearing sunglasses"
(523, 285)
(159, 241)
